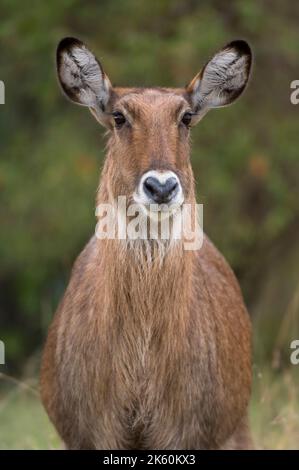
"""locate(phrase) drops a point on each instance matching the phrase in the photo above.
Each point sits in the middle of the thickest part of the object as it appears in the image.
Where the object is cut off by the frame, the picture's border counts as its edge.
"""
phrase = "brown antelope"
(150, 352)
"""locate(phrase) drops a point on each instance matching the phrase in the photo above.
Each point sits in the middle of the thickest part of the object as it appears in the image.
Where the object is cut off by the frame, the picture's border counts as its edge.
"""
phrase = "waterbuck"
(151, 345)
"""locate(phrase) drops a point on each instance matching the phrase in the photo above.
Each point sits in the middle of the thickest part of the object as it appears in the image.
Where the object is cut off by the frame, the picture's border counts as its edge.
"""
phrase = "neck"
(150, 277)
(146, 299)
(148, 296)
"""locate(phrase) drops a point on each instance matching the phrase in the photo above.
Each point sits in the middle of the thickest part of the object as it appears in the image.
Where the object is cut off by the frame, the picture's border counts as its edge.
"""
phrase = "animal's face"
(149, 128)
(150, 142)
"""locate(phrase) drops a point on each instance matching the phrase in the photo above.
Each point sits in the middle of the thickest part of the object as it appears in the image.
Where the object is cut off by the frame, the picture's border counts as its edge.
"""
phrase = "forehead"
(139, 101)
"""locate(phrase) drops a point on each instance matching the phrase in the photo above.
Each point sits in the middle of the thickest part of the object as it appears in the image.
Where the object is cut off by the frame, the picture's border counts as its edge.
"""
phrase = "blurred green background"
(245, 160)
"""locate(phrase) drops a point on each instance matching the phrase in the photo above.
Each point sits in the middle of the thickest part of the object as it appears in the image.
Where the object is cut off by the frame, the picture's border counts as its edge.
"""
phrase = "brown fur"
(149, 355)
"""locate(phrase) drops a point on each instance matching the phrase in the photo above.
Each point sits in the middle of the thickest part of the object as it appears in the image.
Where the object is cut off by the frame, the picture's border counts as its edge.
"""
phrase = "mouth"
(160, 211)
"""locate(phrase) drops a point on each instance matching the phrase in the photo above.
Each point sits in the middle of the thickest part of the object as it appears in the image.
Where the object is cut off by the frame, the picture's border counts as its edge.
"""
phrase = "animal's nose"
(161, 192)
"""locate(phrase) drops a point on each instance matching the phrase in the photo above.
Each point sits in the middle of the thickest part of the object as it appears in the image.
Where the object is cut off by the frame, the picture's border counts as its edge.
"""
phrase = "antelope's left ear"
(222, 79)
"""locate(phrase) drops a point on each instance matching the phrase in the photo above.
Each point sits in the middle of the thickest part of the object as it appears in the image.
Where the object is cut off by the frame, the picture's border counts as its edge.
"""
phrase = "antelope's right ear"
(82, 77)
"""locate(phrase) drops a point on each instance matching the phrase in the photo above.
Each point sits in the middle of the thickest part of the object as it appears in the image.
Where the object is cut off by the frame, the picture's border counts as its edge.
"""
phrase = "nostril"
(150, 184)
(161, 192)
(171, 185)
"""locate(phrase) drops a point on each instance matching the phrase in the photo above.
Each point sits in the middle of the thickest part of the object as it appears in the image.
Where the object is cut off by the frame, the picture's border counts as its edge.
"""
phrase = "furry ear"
(82, 77)
(222, 79)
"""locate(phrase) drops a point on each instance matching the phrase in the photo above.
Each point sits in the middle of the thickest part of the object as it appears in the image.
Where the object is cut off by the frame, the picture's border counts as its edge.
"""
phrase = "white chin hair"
(150, 209)
(163, 210)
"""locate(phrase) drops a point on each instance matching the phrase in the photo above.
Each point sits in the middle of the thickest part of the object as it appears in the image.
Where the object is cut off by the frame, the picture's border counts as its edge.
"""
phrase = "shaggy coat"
(150, 348)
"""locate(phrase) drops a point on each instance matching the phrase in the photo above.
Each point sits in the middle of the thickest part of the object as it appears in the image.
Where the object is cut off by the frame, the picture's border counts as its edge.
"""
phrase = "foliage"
(245, 157)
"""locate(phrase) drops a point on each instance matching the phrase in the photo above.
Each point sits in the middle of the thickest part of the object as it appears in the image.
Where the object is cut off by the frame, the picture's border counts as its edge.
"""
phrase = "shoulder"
(213, 265)
(87, 256)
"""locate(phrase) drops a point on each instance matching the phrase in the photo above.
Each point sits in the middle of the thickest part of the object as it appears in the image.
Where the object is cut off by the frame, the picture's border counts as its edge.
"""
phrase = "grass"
(274, 413)
(274, 410)
(23, 421)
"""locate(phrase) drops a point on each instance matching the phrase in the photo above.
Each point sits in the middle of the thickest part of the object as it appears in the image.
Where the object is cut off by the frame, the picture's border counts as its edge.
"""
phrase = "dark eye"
(119, 119)
(186, 119)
